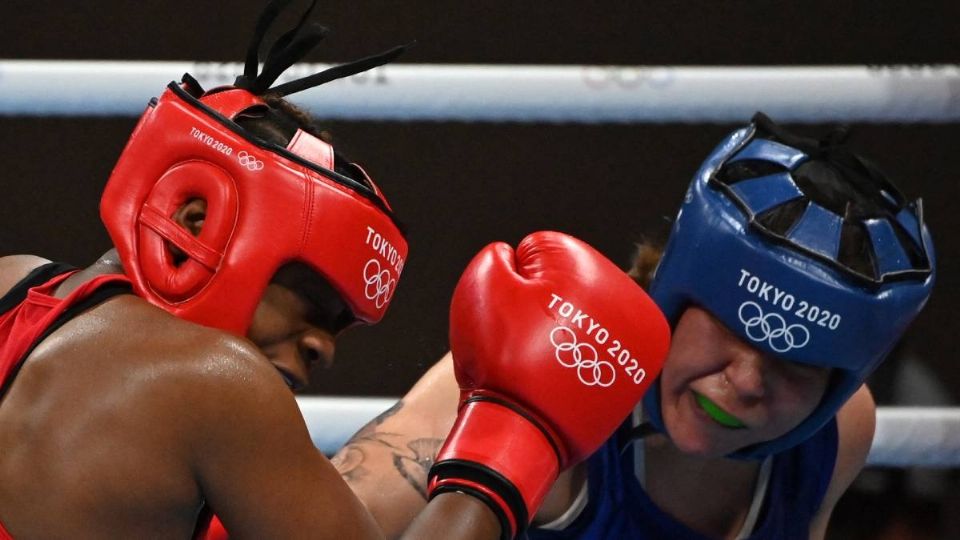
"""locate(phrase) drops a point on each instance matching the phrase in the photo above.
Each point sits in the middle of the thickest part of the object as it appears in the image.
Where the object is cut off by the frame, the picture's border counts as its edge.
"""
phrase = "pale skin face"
(768, 395)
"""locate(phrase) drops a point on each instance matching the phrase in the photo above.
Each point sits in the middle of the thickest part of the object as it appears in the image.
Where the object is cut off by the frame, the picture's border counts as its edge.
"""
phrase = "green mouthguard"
(719, 415)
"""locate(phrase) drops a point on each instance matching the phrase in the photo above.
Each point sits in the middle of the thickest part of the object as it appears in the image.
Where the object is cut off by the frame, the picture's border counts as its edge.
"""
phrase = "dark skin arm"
(259, 439)
(194, 416)
(133, 418)
(257, 467)
(456, 516)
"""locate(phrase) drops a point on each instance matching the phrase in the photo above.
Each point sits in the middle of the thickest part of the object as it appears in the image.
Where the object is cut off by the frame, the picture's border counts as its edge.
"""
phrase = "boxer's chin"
(694, 433)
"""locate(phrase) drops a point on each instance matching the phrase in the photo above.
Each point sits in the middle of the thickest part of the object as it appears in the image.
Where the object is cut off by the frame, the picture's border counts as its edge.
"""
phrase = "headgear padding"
(788, 294)
(266, 206)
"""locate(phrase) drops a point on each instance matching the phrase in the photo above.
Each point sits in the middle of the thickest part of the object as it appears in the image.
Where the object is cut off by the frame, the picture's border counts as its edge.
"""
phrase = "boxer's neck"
(722, 487)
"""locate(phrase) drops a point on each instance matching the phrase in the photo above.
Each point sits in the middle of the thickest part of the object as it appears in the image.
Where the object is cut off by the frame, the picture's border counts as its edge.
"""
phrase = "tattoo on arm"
(349, 460)
(414, 468)
(349, 463)
(371, 427)
(412, 459)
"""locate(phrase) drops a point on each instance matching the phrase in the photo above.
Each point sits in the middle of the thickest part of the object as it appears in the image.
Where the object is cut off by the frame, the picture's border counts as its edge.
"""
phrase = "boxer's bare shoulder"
(129, 345)
(126, 398)
(13, 268)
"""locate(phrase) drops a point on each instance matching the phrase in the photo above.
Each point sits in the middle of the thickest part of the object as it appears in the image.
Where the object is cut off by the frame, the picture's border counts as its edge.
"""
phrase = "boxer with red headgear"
(265, 204)
(144, 389)
(142, 393)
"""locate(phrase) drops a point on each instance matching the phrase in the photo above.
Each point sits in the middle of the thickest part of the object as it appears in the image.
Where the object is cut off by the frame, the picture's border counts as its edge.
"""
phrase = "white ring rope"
(523, 93)
(905, 437)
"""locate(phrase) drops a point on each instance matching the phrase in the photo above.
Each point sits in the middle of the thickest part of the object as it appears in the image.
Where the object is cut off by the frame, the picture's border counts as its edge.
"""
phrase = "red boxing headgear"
(266, 206)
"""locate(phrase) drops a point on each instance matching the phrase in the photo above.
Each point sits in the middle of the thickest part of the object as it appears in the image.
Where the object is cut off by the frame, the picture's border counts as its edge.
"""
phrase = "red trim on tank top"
(40, 295)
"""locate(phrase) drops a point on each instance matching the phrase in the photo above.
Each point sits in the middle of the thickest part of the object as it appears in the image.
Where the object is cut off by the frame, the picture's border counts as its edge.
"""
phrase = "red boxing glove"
(553, 346)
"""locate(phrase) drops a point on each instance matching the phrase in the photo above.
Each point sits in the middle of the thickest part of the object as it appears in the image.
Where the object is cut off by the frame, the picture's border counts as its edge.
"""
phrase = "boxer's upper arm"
(386, 462)
(255, 462)
(856, 422)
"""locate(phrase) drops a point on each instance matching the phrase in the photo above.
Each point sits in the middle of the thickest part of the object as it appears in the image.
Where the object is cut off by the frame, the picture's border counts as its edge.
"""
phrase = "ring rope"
(537, 93)
(905, 436)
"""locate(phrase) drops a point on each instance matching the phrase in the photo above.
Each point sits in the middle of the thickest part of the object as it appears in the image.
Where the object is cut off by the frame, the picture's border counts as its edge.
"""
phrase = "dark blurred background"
(459, 186)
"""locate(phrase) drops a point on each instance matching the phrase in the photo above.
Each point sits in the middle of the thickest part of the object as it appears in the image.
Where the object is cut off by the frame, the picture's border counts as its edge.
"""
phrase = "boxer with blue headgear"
(793, 267)
(793, 273)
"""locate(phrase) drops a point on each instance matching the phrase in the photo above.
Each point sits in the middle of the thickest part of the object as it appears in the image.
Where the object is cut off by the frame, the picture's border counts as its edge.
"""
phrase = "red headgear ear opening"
(186, 181)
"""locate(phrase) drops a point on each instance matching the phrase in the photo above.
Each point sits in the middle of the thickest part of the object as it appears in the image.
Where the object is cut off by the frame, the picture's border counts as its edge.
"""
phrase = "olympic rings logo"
(248, 161)
(590, 370)
(379, 284)
(772, 328)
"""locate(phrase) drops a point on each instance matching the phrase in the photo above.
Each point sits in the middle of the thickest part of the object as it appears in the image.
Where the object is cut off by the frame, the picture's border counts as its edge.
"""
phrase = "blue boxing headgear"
(791, 293)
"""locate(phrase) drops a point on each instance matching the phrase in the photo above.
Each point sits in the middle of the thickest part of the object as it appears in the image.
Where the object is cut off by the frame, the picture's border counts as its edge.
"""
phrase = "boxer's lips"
(717, 414)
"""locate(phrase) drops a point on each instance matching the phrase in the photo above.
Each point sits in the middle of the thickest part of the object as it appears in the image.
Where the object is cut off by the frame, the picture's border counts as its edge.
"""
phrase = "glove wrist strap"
(499, 445)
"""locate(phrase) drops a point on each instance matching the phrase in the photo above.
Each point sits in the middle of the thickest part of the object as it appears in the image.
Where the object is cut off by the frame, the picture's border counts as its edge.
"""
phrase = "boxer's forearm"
(386, 462)
(454, 516)
(386, 467)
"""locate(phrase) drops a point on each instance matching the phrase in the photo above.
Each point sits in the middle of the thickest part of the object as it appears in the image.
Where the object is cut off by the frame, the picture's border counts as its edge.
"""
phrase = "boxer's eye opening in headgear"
(832, 189)
(326, 307)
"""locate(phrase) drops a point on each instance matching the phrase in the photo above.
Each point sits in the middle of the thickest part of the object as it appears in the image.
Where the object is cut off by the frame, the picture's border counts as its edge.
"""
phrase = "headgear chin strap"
(788, 294)
(266, 205)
